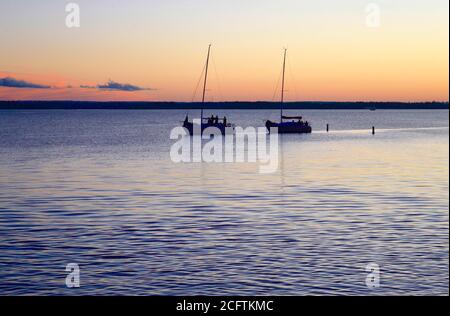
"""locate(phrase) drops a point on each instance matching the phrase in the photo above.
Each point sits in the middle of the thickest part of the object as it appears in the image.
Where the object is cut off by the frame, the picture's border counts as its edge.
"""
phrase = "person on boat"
(225, 121)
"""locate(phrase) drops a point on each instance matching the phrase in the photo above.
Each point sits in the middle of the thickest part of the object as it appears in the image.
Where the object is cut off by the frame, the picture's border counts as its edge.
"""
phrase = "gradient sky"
(160, 46)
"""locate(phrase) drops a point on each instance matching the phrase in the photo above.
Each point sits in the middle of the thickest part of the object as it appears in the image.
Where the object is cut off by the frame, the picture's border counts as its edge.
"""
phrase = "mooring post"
(328, 128)
(373, 130)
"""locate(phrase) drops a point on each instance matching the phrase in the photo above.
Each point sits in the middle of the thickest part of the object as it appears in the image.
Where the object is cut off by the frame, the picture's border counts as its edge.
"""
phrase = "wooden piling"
(373, 130)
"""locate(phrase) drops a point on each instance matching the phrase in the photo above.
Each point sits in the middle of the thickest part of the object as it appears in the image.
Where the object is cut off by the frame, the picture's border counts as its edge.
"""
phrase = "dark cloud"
(14, 83)
(112, 85)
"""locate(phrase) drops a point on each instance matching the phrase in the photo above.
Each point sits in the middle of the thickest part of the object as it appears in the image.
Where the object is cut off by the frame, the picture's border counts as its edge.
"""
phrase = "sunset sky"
(155, 50)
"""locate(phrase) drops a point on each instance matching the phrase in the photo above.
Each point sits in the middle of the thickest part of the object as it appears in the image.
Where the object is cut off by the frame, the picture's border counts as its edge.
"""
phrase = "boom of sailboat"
(286, 125)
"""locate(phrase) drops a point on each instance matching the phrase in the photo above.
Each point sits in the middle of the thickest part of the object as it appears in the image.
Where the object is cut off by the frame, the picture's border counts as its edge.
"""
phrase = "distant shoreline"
(126, 105)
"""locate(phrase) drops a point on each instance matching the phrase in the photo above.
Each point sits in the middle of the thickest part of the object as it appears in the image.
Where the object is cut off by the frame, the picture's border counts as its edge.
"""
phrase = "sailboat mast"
(205, 81)
(282, 85)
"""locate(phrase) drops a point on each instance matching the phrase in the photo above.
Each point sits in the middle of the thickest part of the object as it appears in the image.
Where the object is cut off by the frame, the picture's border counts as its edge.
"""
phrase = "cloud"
(15, 83)
(112, 85)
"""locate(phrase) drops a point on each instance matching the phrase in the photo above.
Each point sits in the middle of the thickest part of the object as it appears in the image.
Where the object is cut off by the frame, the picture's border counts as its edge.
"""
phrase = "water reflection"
(107, 197)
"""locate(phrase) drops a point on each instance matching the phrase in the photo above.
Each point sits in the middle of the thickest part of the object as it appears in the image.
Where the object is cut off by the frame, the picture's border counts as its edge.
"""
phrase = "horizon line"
(228, 101)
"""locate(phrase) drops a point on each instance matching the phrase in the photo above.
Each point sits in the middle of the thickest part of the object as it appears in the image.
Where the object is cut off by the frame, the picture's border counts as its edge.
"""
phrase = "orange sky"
(161, 46)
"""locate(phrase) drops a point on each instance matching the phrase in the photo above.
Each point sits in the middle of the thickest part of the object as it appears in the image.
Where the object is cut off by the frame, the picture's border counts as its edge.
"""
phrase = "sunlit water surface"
(98, 188)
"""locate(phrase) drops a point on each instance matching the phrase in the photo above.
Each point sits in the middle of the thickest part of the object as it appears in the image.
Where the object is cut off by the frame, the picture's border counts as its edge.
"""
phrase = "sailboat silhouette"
(213, 121)
(296, 125)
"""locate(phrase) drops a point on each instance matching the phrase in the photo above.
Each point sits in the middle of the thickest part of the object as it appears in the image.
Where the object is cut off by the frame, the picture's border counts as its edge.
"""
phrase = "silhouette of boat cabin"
(213, 121)
(295, 126)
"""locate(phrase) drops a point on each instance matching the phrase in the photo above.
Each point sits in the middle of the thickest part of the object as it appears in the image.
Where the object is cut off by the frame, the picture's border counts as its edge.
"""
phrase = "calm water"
(98, 188)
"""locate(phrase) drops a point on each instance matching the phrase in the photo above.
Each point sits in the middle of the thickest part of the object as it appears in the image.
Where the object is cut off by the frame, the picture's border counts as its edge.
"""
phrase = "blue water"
(98, 188)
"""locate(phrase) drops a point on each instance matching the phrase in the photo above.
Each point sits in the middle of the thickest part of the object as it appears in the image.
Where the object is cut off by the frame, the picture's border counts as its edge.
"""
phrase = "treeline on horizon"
(258, 105)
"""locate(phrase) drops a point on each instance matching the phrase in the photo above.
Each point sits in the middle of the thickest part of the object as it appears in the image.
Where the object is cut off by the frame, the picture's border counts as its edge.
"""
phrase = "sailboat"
(288, 124)
(205, 122)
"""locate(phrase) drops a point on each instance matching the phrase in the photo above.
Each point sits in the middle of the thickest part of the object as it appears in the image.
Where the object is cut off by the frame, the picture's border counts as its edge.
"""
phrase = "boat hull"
(190, 127)
(289, 127)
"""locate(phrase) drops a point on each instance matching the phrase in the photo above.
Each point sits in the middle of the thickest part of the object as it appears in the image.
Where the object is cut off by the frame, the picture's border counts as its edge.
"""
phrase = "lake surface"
(99, 189)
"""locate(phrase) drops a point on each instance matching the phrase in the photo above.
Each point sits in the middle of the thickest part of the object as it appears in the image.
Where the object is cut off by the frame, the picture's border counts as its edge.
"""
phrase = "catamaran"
(288, 124)
(205, 122)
